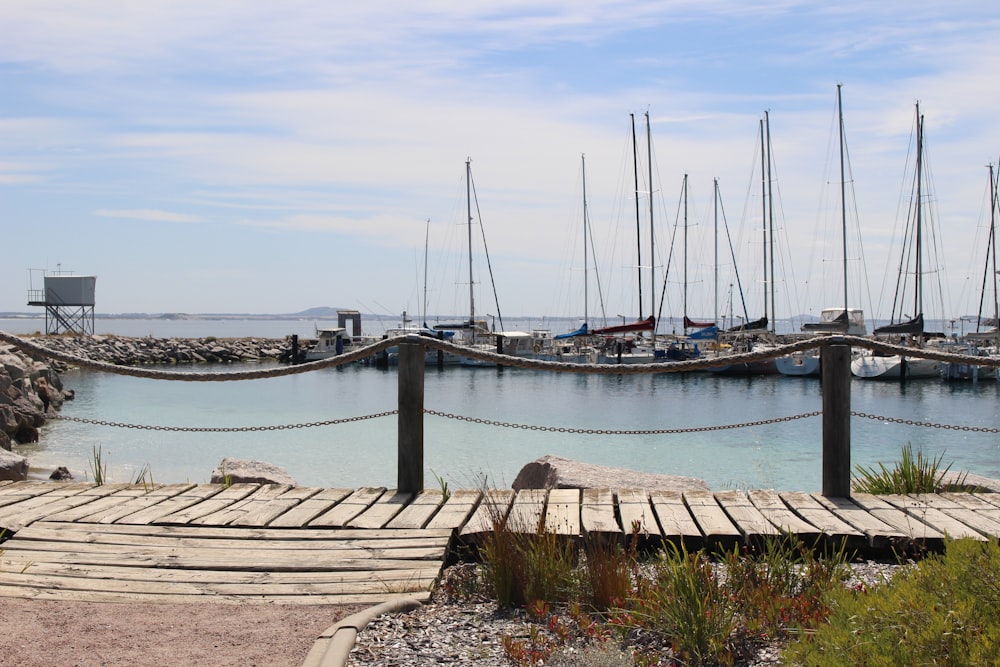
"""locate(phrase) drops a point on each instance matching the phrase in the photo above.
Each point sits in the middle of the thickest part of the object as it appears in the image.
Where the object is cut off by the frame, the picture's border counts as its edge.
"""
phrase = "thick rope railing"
(506, 360)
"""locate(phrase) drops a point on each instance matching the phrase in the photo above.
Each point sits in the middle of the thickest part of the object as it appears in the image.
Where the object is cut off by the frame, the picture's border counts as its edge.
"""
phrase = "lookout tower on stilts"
(68, 301)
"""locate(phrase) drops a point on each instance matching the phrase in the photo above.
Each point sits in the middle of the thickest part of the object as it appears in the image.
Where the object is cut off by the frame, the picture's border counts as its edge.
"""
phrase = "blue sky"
(239, 156)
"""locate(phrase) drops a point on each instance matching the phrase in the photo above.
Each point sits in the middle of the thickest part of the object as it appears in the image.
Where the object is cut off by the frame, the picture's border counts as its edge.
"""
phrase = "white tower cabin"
(69, 304)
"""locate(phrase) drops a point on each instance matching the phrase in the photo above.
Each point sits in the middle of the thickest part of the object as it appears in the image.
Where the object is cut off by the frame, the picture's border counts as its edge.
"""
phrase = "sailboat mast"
(427, 237)
(583, 167)
(684, 305)
(638, 226)
(770, 222)
(843, 197)
(715, 281)
(918, 292)
(468, 207)
(763, 203)
(652, 234)
(993, 238)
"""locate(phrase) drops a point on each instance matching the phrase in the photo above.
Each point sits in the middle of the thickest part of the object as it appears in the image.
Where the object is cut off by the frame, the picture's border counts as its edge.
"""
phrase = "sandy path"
(62, 634)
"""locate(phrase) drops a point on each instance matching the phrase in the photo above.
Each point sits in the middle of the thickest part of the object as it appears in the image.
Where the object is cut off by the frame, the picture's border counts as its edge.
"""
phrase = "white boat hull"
(799, 365)
(871, 367)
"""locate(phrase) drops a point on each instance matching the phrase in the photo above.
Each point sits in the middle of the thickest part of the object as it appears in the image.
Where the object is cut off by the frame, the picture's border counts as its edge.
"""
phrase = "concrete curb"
(332, 647)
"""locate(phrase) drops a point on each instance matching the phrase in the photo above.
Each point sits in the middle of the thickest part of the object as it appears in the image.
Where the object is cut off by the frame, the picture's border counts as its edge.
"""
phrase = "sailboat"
(876, 366)
(842, 320)
(985, 340)
(746, 337)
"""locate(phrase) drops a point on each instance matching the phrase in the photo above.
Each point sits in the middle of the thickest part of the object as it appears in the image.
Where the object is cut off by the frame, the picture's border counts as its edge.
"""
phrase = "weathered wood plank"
(715, 525)
(119, 503)
(562, 513)
(676, 522)
(749, 520)
(835, 530)
(97, 596)
(382, 511)
(419, 512)
(16, 516)
(774, 510)
(224, 498)
(911, 527)
(636, 513)
(309, 509)
(933, 517)
(340, 514)
(980, 522)
(237, 510)
(263, 512)
(528, 511)
(459, 506)
(880, 534)
(166, 507)
(494, 506)
(597, 514)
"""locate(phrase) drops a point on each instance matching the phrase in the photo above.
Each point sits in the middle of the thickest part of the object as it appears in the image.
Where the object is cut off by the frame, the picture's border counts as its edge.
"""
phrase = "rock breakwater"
(129, 351)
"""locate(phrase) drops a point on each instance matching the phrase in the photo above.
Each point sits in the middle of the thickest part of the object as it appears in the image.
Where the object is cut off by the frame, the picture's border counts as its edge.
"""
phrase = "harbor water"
(558, 414)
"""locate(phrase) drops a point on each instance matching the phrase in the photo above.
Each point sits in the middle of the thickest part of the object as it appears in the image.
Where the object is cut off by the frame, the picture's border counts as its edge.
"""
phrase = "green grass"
(99, 466)
(913, 473)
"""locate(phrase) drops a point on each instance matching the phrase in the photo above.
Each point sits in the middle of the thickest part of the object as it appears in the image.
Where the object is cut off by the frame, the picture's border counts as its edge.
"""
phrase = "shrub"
(911, 474)
(941, 612)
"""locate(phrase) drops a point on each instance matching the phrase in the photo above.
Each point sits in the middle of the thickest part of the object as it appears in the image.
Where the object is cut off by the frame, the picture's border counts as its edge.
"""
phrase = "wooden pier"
(297, 545)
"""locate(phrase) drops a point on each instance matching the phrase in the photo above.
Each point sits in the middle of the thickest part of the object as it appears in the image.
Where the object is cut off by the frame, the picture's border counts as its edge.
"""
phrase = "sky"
(239, 156)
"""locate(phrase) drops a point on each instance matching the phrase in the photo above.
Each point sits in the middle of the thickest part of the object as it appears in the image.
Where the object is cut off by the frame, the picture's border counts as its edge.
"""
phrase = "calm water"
(784, 456)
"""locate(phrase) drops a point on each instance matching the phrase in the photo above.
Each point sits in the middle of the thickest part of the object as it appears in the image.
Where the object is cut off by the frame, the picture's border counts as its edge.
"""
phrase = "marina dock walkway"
(297, 545)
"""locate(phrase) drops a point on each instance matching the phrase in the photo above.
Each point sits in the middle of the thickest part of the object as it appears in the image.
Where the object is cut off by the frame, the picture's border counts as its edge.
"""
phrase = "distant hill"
(322, 311)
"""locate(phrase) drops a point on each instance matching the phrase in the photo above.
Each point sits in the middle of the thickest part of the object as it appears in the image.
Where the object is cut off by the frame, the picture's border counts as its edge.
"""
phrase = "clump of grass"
(913, 473)
(608, 569)
(526, 567)
(144, 477)
(943, 611)
(98, 466)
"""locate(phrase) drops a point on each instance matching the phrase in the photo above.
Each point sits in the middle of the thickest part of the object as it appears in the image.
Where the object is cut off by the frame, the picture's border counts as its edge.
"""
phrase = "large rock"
(13, 467)
(554, 472)
(236, 471)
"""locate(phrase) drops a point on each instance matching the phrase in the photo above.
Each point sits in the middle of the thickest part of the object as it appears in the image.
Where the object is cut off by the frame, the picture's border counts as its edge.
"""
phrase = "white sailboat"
(877, 366)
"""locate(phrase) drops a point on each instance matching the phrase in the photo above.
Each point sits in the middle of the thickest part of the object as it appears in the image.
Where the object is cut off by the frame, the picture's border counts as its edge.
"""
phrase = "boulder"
(13, 467)
(61, 474)
(554, 472)
(236, 471)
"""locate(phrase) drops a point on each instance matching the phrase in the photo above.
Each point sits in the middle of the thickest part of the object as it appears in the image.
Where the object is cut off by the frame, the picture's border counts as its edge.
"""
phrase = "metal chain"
(914, 422)
(603, 431)
(222, 429)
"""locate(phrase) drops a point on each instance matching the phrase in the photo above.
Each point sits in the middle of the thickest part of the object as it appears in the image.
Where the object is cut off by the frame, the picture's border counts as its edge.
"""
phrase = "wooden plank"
(229, 532)
(880, 534)
(597, 513)
(366, 599)
(976, 502)
(340, 514)
(382, 511)
(527, 513)
(416, 515)
(911, 527)
(239, 509)
(16, 516)
(263, 512)
(187, 498)
(309, 509)
(836, 531)
(494, 506)
(562, 512)
(457, 509)
(716, 527)
(749, 520)
(224, 498)
(933, 517)
(770, 505)
(980, 522)
(676, 522)
(119, 502)
(636, 513)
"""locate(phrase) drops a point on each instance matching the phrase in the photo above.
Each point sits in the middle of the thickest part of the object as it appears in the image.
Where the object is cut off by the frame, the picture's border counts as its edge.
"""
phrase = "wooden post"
(410, 462)
(835, 361)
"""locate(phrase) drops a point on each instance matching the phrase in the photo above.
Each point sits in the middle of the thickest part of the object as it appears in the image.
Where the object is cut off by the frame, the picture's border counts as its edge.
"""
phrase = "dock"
(283, 544)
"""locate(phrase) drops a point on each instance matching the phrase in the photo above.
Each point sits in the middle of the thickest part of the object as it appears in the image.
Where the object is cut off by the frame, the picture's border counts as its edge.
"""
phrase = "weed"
(99, 467)
(144, 477)
(913, 473)
(443, 485)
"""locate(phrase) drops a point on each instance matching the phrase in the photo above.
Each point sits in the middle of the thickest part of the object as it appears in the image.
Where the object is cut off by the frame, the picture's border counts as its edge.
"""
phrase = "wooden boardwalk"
(297, 545)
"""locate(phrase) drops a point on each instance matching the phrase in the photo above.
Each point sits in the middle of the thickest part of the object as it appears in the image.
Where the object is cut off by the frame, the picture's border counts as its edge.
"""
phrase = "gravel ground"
(453, 631)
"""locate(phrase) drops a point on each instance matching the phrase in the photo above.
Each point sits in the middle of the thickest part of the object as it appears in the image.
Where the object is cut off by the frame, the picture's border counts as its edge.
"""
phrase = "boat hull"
(798, 365)
(869, 367)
